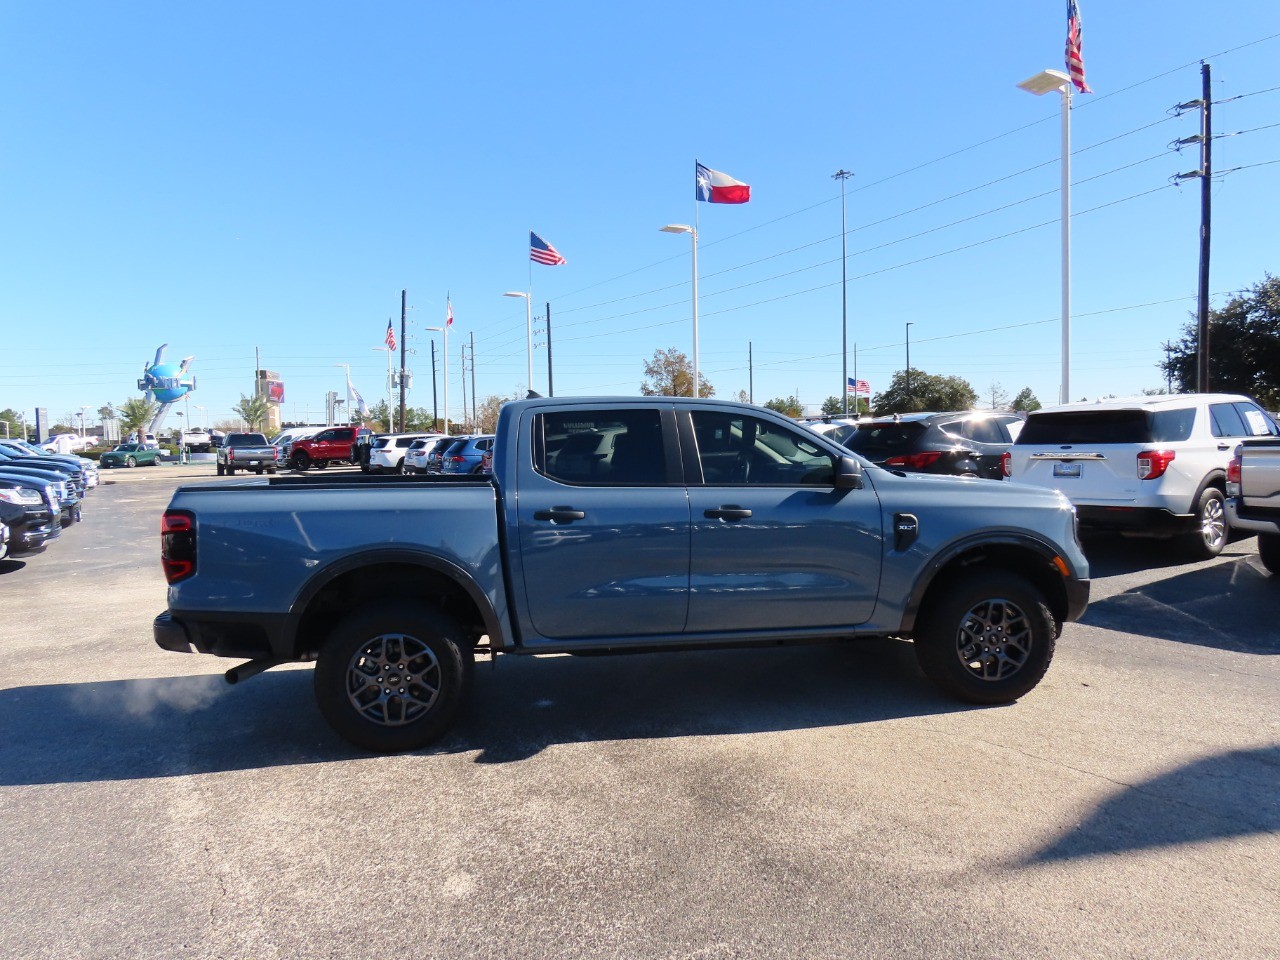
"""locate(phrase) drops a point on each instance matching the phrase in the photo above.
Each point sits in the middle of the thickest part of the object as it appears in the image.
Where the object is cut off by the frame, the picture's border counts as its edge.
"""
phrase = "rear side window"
(611, 447)
(880, 440)
(983, 430)
(1239, 420)
(1085, 427)
(1170, 425)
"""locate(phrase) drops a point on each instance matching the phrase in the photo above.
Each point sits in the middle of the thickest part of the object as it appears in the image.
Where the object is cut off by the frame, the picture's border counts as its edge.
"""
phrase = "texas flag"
(716, 187)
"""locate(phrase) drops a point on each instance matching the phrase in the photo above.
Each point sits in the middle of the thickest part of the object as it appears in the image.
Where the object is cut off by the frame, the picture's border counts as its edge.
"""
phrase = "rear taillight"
(915, 461)
(457, 459)
(1233, 469)
(1006, 463)
(1153, 463)
(178, 545)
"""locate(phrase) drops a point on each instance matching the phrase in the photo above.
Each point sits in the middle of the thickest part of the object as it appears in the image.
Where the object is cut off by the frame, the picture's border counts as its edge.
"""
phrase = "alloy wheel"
(393, 680)
(994, 639)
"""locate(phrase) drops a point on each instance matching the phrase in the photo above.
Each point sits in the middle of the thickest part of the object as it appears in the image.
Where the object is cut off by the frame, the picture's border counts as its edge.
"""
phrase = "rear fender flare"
(321, 579)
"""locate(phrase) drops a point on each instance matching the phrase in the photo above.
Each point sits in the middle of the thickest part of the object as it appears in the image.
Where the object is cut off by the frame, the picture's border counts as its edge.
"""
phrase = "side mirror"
(848, 474)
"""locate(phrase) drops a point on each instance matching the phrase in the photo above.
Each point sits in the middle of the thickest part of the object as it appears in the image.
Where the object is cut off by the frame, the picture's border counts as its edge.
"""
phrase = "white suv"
(387, 452)
(1147, 466)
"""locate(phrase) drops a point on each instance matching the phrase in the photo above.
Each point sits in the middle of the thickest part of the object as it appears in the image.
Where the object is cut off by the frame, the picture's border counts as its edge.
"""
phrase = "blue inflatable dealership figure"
(165, 383)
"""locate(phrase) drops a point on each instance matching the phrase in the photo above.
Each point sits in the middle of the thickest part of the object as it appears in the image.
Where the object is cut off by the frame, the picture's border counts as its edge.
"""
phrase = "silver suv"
(1146, 466)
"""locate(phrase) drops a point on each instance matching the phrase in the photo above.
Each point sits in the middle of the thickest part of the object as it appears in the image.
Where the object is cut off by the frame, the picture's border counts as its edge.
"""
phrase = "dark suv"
(963, 442)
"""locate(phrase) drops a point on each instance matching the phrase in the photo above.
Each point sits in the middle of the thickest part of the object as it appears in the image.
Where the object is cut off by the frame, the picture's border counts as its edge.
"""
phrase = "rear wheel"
(986, 637)
(1269, 552)
(221, 470)
(320, 464)
(301, 460)
(258, 471)
(393, 676)
(130, 461)
(1210, 534)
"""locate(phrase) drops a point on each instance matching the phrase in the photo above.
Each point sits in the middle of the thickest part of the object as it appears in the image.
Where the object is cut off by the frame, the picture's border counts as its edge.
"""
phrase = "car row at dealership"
(40, 493)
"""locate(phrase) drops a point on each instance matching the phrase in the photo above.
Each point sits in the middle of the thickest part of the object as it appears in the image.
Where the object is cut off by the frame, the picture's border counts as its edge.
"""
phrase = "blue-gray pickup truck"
(615, 525)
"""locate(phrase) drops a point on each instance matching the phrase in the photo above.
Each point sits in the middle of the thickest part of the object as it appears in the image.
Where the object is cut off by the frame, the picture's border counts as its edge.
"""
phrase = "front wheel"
(986, 637)
(1269, 552)
(1210, 534)
(221, 470)
(301, 461)
(393, 676)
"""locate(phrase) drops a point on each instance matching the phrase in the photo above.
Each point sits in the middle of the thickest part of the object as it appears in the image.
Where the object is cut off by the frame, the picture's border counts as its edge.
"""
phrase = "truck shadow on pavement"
(1229, 795)
(1229, 605)
(176, 726)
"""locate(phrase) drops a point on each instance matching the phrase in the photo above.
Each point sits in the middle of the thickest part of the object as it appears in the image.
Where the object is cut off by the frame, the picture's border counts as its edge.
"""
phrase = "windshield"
(880, 440)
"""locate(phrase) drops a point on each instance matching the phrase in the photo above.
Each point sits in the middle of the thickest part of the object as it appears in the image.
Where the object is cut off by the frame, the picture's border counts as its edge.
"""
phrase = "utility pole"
(474, 415)
(404, 294)
(551, 386)
(843, 175)
(462, 355)
(751, 373)
(1205, 173)
(909, 364)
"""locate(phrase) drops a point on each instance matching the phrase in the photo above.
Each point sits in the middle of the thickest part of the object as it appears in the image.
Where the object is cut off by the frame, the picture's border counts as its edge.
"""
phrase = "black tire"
(985, 637)
(301, 460)
(1269, 552)
(231, 471)
(321, 464)
(271, 470)
(1211, 531)
(258, 471)
(403, 643)
(364, 468)
(130, 461)
(221, 470)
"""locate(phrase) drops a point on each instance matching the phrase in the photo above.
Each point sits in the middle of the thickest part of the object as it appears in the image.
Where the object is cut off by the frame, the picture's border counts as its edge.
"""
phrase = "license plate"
(1066, 469)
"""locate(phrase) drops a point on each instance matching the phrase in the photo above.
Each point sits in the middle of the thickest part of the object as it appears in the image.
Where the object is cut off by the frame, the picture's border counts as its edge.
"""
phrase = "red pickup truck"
(332, 444)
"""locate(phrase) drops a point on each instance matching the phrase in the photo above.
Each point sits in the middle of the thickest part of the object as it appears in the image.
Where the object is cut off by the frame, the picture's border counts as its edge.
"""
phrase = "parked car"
(465, 455)
(964, 443)
(417, 456)
(66, 443)
(321, 449)
(40, 500)
(131, 455)
(387, 452)
(1146, 466)
(838, 429)
(435, 458)
(1253, 496)
(285, 439)
(70, 478)
(22, 448)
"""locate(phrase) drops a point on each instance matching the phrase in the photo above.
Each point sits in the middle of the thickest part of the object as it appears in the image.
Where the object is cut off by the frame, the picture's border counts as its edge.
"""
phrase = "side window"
(983, 430)
(1226, 421)
(611, 447)
(736, 449)
(1256, 421)
(1170, 425)
(326, 434)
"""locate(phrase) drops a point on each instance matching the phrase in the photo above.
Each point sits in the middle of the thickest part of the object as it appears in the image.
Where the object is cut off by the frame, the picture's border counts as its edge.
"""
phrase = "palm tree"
(134, 415)
(253, 410)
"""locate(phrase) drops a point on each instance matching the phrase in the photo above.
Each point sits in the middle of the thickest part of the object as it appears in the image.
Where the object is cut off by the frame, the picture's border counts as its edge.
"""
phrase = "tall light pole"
(204, 416)
(1042, 83)
(445, 352)
(82, 412)
(693, 235)
(909, 400)
(842, 175)
(528, 325)
(346, 368)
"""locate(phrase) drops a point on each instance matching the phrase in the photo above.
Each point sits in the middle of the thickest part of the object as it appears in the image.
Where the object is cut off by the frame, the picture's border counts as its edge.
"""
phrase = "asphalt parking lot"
(802, 802)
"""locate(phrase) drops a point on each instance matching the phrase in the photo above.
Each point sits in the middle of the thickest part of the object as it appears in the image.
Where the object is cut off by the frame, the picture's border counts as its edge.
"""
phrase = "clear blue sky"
(235, 175)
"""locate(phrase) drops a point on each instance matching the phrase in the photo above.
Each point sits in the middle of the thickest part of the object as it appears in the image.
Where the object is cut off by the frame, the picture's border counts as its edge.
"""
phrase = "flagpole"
(528, 303)
(448, 304)
(695, 391)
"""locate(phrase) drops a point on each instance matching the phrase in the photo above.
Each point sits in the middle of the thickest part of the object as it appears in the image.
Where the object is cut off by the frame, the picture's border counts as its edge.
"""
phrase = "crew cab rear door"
(774, 545)
(602, 523)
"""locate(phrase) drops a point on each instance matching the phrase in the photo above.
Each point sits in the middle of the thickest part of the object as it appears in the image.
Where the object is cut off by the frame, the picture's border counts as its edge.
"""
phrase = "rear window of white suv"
(1107, 426)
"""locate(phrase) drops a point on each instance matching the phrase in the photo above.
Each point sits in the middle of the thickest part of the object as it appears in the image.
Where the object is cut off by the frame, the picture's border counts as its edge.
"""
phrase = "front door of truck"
(603, 524)
(774, 545)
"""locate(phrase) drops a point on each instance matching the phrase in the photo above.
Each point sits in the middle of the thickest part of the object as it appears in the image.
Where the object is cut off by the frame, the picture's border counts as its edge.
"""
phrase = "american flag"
(859, 388)
(391, 337)
(542, 252)
(1075, 58)
(448, 313)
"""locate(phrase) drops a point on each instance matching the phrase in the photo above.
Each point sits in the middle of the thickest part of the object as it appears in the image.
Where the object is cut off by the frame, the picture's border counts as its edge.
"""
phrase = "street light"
(693, 234)
(528, 320)
(842, 175)
(445, 330)
(204, 416)
(1042, 83)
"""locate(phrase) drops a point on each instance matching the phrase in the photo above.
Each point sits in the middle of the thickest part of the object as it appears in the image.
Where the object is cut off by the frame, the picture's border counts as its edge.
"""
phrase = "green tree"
(1025, 401)
(14, 420)
(135, 414)
(787, 406)
(670, 374)
(742, 396)
(1244, 347)
(926, 391)
(834, 406)
(252, 410)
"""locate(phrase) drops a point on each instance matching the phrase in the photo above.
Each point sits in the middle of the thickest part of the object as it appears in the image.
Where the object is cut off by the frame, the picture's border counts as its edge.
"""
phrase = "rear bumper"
(1251, 521)
(263, 635)
(1147, 521)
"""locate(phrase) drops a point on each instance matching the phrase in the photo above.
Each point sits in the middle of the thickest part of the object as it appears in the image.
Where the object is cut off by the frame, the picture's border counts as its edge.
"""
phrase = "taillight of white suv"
(1153, 463)
(1005, 466)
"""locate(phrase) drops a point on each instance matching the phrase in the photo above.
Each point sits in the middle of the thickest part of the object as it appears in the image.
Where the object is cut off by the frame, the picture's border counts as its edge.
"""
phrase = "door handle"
(1224, 446)
(560, 515)
(728, 512)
